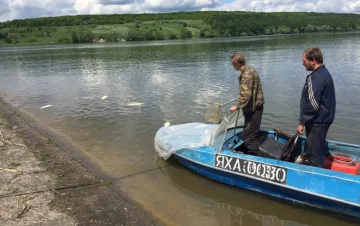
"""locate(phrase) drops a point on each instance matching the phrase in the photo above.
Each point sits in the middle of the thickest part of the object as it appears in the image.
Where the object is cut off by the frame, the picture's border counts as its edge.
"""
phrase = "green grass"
(57, 34)
(194, 31)
(172, 25)
(118, 29)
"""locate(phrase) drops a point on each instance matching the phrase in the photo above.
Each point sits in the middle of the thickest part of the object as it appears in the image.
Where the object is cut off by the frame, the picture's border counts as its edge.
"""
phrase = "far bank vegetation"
(168, 26)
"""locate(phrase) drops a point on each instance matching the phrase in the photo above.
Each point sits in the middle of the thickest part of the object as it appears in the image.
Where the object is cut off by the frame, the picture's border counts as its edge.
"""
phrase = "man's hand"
(300, 129)
(233, 108)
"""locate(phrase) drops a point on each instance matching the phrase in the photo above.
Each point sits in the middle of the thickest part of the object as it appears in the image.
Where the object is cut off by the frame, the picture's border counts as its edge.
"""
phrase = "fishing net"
(232, 121)
(213, 114)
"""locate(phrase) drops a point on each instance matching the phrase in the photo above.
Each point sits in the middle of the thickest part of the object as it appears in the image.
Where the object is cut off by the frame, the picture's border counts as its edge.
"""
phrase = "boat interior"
(276, 144)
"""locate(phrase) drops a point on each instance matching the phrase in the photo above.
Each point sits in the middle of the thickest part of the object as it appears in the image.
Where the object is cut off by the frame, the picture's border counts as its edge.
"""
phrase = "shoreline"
(178, 40)
(63, 144)
(48, 181)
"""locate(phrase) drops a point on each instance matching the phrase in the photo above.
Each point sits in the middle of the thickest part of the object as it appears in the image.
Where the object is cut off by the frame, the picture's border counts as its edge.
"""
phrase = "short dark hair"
(314, 53)
(239, 57)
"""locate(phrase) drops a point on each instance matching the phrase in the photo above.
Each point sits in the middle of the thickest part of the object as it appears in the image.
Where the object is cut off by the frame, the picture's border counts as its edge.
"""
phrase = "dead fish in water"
(46, 106)
(134, 104)
(104, 97)
(85, 98)
(166, 124)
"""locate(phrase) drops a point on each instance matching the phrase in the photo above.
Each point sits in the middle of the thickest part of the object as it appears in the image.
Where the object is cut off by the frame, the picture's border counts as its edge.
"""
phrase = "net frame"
(214, 113)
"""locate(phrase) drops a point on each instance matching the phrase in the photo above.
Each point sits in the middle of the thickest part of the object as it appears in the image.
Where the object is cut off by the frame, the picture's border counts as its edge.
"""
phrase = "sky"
(20, 9)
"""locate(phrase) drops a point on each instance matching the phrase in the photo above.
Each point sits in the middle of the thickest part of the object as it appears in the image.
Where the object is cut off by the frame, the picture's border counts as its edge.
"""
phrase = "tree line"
(249, 23)
(213, 24)
(105, 19)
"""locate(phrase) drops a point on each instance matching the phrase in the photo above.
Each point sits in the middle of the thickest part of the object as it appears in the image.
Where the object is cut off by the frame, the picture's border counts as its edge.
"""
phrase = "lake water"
(149, 83)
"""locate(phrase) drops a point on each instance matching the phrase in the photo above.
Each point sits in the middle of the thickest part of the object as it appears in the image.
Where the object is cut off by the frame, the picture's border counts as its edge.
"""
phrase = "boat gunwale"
(306, 169)
(274, 183)
(326, 172)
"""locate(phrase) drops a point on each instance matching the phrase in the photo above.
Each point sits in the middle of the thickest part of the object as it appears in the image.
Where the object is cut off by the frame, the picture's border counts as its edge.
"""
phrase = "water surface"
(149, 83)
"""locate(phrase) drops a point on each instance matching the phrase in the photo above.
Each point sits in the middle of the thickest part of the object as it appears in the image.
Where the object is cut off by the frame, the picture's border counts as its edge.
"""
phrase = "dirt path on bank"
(43, 184)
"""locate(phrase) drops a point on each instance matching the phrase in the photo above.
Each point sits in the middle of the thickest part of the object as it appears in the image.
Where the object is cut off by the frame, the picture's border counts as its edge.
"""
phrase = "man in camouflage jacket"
(251, 101)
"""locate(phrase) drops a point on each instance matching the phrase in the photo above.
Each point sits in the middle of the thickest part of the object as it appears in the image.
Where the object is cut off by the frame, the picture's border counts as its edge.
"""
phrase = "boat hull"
(277, 189)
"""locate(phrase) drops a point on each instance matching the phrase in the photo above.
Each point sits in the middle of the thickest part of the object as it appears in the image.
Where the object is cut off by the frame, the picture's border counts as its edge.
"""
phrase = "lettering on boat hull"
(267, 172)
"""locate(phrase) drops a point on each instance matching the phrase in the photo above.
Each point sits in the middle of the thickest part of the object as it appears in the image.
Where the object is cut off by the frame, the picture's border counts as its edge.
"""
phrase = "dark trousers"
(316, 145)
(251, 130)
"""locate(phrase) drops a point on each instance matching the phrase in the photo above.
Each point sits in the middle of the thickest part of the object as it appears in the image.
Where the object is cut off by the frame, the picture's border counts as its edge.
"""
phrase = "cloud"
(19, 9)
(117, 2)
(339, 6)
(4, 7)
(148, 6)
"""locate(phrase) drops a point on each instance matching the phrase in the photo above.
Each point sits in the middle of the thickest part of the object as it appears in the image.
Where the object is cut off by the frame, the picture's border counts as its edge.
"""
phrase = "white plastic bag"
(191, 135)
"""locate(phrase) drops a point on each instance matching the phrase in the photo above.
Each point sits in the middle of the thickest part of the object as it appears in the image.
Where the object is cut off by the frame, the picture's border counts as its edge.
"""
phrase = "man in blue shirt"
(317, 106)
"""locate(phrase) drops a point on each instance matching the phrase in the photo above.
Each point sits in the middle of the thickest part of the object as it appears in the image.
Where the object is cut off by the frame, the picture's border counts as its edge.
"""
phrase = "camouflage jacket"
(251, 93)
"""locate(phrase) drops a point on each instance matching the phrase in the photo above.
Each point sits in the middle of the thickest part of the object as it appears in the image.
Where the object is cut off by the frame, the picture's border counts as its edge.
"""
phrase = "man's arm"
(246, 87)
(312, 103)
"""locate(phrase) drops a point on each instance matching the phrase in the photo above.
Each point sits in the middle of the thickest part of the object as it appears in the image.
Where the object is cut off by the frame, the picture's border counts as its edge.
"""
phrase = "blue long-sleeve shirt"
(318, 102)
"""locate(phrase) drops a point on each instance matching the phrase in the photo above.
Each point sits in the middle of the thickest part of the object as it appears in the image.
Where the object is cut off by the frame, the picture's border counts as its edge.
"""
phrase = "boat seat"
(270, 148)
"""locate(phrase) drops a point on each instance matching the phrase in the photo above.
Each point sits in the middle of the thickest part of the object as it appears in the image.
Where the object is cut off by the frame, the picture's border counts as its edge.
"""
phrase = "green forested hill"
(160, 26)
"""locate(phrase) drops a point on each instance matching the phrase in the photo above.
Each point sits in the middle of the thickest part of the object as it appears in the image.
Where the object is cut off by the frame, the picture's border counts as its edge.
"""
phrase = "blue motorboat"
(216, 157)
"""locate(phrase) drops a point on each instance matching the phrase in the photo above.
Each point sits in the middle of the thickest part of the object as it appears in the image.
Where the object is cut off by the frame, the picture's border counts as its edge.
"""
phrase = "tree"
(8, 40)
(160, 36)
(309, 28)
(137, 24)
(284, 30)
(172, 36)
(150, 35)
(202, 33)
(267, 31)
(75, 38)
(213, 24)
(88, 37)
(185, 33)
(135, 36)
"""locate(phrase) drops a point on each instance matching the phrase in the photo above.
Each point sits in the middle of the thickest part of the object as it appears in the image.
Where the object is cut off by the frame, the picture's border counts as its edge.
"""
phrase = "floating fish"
(166, 124)
(86, 98)
(135, 104)
(104, 97)
(46, 106)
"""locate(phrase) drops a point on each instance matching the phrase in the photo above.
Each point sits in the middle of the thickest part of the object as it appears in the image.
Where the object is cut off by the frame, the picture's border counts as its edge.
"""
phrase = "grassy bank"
(167, 26)
(135, 31)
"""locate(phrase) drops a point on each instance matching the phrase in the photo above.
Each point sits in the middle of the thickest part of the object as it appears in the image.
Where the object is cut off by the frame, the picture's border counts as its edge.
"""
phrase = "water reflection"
(245, 217)
(149, 83)
(230, 205)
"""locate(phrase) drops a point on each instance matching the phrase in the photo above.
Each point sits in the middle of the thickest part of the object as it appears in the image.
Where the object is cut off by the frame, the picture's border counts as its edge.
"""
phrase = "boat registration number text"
(255, 169)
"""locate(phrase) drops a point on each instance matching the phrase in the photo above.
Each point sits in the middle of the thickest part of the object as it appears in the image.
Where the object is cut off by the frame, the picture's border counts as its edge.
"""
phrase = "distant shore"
(170, 26)
(194, 39)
